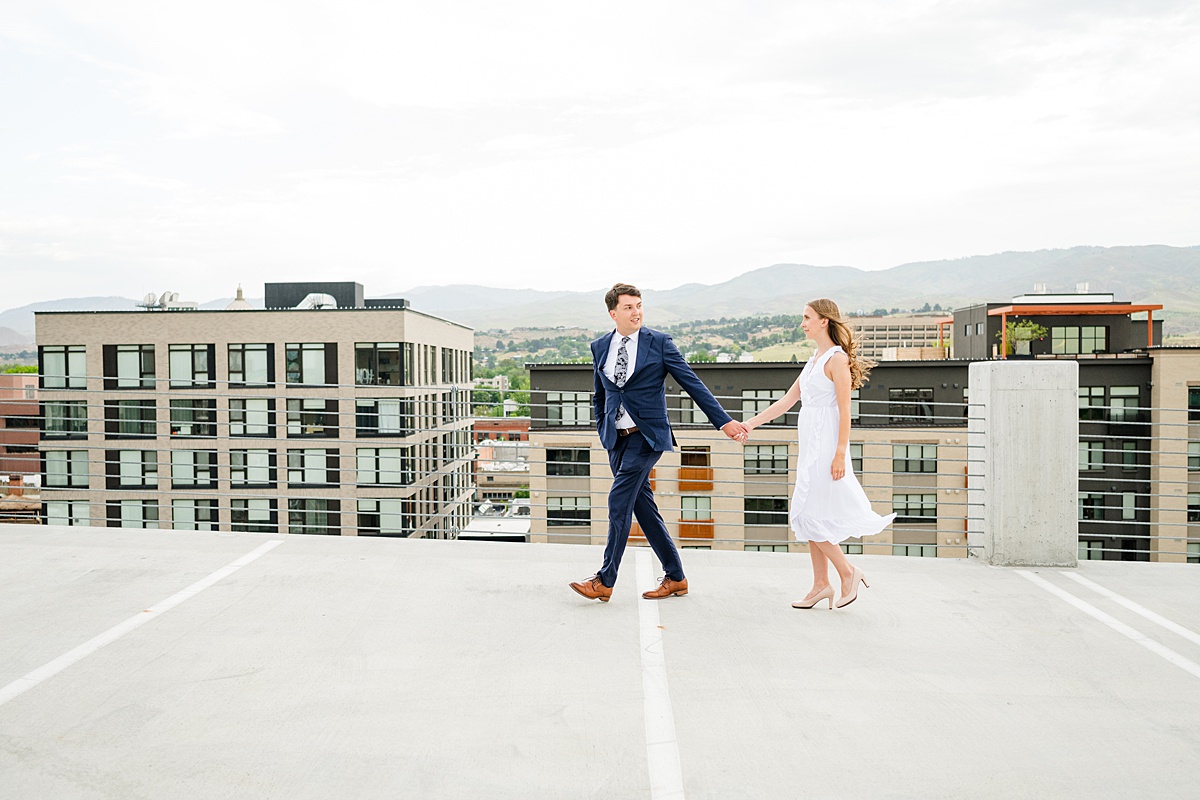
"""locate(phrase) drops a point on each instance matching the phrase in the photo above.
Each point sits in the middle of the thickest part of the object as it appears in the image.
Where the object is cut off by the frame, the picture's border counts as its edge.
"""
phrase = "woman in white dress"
(828, 504)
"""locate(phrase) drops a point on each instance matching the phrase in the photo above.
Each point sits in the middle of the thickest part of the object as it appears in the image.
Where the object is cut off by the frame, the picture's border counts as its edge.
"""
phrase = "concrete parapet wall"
(1023, 437)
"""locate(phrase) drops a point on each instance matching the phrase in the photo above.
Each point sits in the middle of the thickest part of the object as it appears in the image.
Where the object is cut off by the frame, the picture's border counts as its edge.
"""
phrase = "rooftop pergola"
(1070, 310)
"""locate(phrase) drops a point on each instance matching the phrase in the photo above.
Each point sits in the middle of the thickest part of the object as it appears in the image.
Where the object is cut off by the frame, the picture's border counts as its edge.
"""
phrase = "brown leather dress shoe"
(667, 588)
(593, 589)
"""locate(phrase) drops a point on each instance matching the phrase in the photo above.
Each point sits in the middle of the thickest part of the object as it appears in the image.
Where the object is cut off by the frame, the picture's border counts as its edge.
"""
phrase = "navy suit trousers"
(631, 461)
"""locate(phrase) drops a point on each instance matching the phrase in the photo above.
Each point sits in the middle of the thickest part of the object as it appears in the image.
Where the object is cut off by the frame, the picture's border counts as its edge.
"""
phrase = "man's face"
(627, 314)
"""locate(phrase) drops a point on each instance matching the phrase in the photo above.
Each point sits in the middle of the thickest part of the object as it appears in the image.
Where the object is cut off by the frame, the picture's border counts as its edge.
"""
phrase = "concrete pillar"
(1023, 445)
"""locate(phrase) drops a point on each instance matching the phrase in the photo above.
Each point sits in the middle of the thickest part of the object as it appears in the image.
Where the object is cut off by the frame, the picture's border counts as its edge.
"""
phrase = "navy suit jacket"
(645, 393)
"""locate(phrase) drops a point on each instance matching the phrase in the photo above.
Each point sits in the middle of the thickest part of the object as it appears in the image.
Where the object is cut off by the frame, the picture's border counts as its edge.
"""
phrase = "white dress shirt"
(610, 367)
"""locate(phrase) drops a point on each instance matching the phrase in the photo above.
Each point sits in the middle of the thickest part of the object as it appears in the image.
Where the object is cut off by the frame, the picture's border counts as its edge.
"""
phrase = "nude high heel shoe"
(850, 598)
(824, 594)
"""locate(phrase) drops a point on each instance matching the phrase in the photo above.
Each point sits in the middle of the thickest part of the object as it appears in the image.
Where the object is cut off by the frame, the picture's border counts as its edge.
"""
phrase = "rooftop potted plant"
(1020, 334)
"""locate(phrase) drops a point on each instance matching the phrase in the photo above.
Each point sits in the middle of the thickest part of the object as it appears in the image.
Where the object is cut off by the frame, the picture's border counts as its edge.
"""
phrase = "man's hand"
(735, 430)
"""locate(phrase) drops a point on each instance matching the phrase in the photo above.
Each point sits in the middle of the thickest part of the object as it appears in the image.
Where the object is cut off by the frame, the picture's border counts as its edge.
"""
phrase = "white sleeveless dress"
(823, 509)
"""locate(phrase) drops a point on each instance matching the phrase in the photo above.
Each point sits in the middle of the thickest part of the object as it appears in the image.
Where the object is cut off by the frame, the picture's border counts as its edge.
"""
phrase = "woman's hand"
(837, 470)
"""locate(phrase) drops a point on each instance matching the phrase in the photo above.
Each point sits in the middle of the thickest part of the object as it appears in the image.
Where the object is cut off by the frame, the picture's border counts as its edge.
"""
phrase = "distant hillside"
(19, 322)
(1151, 273)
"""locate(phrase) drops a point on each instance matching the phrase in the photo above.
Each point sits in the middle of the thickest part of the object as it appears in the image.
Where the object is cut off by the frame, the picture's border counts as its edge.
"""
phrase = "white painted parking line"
(662, 749)
(1183, 663)
(24, 684)
(1157, 619)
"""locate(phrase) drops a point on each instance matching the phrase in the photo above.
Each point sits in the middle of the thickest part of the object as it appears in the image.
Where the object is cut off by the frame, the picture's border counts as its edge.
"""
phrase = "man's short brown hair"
(618, 289)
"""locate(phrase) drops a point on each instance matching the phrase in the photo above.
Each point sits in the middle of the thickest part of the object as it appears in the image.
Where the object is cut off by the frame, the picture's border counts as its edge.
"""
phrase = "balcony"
(363, 667)
(695, 479)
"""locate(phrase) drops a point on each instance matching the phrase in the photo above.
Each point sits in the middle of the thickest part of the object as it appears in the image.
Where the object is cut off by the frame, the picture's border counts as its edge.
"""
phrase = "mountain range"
(1146, 273)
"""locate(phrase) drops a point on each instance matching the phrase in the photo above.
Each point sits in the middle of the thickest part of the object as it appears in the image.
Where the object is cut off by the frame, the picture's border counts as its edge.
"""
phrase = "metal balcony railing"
(1139, 482)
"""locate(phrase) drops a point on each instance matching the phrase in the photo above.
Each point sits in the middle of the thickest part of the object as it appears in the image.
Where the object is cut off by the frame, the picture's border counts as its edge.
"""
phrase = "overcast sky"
(148, 146)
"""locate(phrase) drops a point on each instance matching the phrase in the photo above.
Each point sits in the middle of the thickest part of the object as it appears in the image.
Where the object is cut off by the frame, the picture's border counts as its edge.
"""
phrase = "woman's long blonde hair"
(843, 335)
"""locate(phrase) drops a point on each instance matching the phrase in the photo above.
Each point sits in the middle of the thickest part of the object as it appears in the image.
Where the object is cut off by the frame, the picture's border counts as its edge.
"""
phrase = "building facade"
(19, 422)
(352, 420)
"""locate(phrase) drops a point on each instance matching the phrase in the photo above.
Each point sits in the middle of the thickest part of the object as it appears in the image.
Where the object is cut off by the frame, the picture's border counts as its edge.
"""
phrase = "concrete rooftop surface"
(340, 667)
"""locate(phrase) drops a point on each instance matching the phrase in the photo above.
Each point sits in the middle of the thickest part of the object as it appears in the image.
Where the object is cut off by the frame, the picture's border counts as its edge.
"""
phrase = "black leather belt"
(626, 431)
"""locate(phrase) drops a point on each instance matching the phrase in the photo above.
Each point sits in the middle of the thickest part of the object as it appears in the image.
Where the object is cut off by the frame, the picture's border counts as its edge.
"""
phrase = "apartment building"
(19, 421)
(1139, 448)
(341, 416)
(917, 337)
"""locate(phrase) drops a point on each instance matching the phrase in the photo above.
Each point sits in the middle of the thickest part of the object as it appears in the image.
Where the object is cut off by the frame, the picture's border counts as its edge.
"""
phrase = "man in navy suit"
(630, 367)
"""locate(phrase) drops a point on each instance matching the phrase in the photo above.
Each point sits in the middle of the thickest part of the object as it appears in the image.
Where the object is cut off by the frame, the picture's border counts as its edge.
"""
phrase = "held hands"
(837, 470)
(735, 430)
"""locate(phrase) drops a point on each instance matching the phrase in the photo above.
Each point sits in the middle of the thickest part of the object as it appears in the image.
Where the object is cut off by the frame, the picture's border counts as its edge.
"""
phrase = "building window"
(192, 366)
(1194, 403)
(390, 466)
(1193, 456)
(1091, 549)
(914, 458)
(132, 418)
(312, 467)
(694, 457)
(64, 419)
(856, 457)
(915, 550)
(1193, 553)
(1091, 403)
(62, 366)
(1091, 506)
(1129, 455)
(1193, 507)
(134, 514)
(193, 417)
(766, 511)
(251, 416)
(1076, 340)
(312, 417)
(695, 509)
(194, 515)
(855, 405)
(765, 459)
(1128, 505)
(251, 467)
(384, 417)
(756, 400)
(66, 468)
(1123, 404)
(967, 329)
(378, 364)
(979, 328)
(253, 515)
(568, 408)
(688, 412)
(921, 508)
(251, 365)
(910, 406)
(313, 515)
(193, 468)
(568, 462)
(765, 548)
(15, 421)
(384, 518)
(70, 513)
(128, 366)
(1091, 456)
(851, 549)
(311, 364)
(564, 511)
(132, 469)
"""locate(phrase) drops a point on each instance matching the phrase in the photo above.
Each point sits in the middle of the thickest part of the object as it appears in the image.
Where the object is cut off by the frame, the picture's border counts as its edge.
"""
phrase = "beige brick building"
(352, 420)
